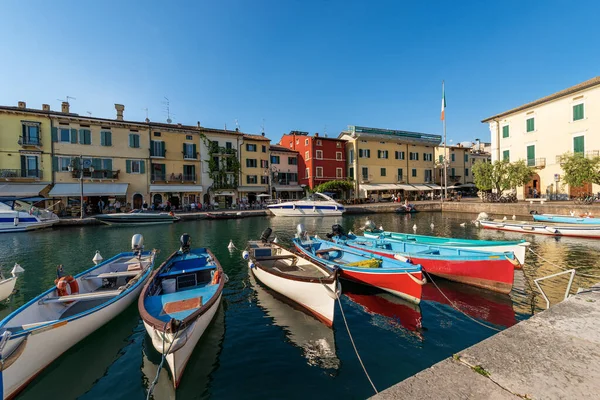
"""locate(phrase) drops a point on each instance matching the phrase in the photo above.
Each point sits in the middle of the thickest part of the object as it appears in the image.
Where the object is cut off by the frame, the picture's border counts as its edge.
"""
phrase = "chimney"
(178, 125)
(199, 124)
(316, 134)
(45, 107)
(120, 108)
(22, 104)
(263, 133)
(64, 107)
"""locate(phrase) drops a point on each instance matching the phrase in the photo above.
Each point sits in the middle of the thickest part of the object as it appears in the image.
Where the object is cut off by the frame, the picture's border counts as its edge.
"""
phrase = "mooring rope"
(458, 309)
(162, 361)
(563, 268)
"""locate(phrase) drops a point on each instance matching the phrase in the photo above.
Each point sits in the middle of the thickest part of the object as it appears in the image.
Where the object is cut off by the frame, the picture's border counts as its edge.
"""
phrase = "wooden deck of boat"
(304, 270)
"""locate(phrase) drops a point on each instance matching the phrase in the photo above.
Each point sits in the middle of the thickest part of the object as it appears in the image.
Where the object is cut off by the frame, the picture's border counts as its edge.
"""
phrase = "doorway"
(138, 200)
(533, 184)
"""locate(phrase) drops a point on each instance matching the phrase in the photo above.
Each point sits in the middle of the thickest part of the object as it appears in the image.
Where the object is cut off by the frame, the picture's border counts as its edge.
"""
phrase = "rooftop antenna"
(146, 110)
(237, 125)
(67, 100)
(89, 113)
(325, 131)
(168, 110)
(262, 127)
(225, 125)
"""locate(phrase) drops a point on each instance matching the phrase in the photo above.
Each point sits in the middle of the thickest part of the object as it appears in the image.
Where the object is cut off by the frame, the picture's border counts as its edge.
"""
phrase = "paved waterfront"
(553, 355)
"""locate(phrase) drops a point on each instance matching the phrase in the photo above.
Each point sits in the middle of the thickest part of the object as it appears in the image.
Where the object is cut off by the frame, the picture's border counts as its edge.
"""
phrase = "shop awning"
(422, 187)
(175, 188)
(288, 188)
(380, 186)
(261, 188)
(434, 186)
(89, 189)
(403, 186)
(21, 189)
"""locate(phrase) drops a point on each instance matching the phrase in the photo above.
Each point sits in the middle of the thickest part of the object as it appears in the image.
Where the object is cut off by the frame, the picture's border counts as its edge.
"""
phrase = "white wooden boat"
(19, 216)
(40, 331)
(583, 231)
(316, 340)
(137, 217)
(311, 286)
(180, 301)
(315, 205)
(7, 286)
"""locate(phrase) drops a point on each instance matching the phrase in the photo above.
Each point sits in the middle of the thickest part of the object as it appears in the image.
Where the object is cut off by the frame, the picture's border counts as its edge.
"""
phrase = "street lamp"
(71, 168)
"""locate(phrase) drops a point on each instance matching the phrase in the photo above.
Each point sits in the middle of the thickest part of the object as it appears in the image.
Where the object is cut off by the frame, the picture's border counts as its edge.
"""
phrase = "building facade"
(459, 165)
(25, 151)
(320, 159)
(254, 170)
(542, 131)
(384, 161)
(284, 173)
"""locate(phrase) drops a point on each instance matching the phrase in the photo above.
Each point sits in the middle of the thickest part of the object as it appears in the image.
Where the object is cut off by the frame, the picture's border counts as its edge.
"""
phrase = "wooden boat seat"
(105, 294)
(108, 275)
(325, 251)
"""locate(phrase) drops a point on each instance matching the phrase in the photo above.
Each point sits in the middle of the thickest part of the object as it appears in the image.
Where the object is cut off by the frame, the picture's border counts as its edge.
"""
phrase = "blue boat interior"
(182, 286)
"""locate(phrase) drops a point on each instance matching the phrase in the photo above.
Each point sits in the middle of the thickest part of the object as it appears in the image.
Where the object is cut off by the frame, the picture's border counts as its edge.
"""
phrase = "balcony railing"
(188, 156)
(162, 153)
(189, 178)
(29, 141)
(159, 177)
(536, 162)
(223, 185)
(366, 178)
(399, 178)
(588, 154)
(16, 174)
(97, 174)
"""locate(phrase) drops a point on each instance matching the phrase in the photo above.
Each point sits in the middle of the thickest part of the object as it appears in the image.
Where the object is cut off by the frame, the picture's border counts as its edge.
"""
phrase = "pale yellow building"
(459, 165)
(255, 169)
(540, 132)
(25, 151)
(110, 155)
(383, 161)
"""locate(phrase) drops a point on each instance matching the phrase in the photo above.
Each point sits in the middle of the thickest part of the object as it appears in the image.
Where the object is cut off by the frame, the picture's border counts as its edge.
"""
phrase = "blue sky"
(299, 65)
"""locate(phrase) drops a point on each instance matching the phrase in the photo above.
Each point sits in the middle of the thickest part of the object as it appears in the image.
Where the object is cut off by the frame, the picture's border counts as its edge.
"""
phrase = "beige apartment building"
(542, 131)
(385, 161)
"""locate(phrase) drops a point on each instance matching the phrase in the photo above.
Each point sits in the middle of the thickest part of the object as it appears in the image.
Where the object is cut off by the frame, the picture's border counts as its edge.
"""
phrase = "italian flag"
(443, 117)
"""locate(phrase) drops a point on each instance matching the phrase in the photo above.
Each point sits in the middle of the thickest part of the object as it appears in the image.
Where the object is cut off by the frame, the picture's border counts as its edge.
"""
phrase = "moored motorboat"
(41, 330)
(581, 231)
(19, 216)
(137, 217)
(315, 205)
(585, 219)
(517, 247)
(403, 279)
(7, 285)
(224, 215)
(406, 209)
(493, 271)
(310, 285)
(180, 301)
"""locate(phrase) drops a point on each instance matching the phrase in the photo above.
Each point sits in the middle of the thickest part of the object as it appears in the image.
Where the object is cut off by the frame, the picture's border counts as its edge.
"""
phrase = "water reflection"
(316, 341)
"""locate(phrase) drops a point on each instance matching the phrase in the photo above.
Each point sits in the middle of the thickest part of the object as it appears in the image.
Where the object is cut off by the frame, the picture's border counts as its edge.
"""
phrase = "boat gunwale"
(161, 326)
(28, 331)
(389, 235)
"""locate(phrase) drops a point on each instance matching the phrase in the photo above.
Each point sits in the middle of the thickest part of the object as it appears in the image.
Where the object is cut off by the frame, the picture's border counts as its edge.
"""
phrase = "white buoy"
(432, 225)
(504, 219)
(350, 233)
(275, 240)
(380, 227)
(463, 224)
(514, 217)
(415, 227)
(245, 255)
(250, 264)
(231, 246)
(97, 258)
(572, 213)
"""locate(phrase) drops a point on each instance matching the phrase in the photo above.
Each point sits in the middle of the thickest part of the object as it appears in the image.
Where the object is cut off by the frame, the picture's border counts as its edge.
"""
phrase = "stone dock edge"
(553, 355)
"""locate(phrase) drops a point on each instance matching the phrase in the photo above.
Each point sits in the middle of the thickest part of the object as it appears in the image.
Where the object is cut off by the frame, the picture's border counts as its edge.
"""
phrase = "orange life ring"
(216, 277)
(62, 283)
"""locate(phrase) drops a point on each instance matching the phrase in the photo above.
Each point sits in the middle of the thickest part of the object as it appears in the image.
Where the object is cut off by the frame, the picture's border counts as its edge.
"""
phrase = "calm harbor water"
(259, 347)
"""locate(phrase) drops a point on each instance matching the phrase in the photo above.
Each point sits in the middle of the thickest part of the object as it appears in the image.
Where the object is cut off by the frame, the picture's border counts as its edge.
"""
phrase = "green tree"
(579, 170)
(501, 175)
(336, 185)
(518, 174)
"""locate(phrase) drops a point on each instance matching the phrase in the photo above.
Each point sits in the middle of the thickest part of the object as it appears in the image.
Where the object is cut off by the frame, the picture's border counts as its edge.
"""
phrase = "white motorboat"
(180, 301)
(311, 286)
(137, 217)
(41, 330)
(7, 285)
(582, 231)
(19, 216)
(315, 205)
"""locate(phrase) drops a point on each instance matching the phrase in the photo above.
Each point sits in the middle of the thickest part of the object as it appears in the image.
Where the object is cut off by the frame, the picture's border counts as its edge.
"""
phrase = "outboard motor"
(301, 232)
(369, 226)
(137, 243)
(336, 230)
(186, 243)
(265, 235)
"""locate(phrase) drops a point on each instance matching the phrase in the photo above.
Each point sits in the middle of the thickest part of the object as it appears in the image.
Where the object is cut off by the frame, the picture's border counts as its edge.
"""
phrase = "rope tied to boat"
(461, 311)
(339, 301)
(563, 268)
(164, 356)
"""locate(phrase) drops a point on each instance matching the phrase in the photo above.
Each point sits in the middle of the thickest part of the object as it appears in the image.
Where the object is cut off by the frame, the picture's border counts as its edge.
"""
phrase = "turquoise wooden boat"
(567, 219)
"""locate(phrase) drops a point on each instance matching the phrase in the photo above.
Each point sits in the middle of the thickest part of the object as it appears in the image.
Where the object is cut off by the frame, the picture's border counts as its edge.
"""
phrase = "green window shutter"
(193, 170)
(194, 151)
(163, 169)
(506, 155)
(441, 158)
(97, 163)
(102, 138)
(109, 136)
(23, 166)
(505, 131)
(54, 163)
(108, 164)
(73, 135)
(579, 144)
(130, 140)
(81, 134)
(530, 154)
(54, 134)
(128, 166)
(163, 150)
(142, 167)
(578, 112)
(530, 125)
(466, 171)
(466, 158)
(184, 149)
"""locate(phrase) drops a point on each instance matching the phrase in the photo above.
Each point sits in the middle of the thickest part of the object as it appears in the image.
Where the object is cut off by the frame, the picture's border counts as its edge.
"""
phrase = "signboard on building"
(556, 177)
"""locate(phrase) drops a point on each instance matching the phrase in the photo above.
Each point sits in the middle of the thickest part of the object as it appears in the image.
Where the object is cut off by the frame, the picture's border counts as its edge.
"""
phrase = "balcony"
(366, 178)
(97, 174)
(536, 162)
(21, 174)
(187, 156)
(223, 185)
(160, 177)
(158, 154)
(29, 141)
(189, 178)
(588, 154)
(399, 178)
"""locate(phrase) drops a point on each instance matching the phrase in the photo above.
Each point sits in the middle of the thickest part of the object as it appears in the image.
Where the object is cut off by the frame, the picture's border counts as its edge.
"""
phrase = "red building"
(320, 159)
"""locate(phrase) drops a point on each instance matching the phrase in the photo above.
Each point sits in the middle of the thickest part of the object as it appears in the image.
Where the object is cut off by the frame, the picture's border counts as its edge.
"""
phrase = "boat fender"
(250, 264)
(314, 208)
(401, 258)
(245, 255)
(16, 220)
(417, 280)
(63, 283)
(216, 277)
(293, 206)
(336, 208)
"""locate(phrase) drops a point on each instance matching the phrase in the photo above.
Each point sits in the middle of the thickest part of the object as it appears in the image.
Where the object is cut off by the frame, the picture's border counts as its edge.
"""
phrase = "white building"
(284, 173)
(542, 131)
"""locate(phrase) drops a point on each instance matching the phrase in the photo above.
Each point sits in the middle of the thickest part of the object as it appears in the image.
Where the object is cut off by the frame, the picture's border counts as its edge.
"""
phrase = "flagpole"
(445, 153)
